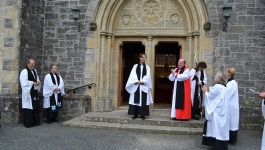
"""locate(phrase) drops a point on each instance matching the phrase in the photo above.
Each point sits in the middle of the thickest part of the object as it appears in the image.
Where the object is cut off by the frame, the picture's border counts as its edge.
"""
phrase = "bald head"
(181, 63)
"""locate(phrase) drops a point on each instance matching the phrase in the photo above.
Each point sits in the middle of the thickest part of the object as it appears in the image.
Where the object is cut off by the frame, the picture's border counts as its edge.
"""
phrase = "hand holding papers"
(261, 95)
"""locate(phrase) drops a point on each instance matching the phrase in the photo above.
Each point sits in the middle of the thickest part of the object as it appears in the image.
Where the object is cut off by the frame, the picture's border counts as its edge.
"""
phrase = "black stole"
(33, 93)
(52, 98)
(137, 93)
(180, 92)
(196, 102)
(202, 77)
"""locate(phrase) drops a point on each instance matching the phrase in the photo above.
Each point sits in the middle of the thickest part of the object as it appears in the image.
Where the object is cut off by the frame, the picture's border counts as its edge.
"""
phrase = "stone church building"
(101, 45)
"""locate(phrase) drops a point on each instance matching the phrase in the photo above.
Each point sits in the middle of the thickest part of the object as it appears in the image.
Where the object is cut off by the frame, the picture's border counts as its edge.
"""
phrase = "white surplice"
(193, 84)
(26, 86)
(181, 77)
(48, 89)
(232, 97)
(263, 135)
(217, 113)
(131, 87)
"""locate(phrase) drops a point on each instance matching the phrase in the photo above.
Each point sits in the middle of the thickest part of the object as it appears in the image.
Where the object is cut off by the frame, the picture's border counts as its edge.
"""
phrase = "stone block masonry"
(242, 48)
(9, 64)
(64, 45)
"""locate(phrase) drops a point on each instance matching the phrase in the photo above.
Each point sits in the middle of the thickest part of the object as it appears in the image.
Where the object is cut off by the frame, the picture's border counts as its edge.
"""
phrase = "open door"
(167, 55)
(129, 55)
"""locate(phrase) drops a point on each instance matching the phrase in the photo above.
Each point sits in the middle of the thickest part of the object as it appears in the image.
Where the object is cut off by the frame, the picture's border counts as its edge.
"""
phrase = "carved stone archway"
(148, 21)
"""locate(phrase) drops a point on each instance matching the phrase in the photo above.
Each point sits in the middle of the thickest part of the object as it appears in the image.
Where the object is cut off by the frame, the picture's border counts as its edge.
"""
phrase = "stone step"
(157, 118)
(78, 122)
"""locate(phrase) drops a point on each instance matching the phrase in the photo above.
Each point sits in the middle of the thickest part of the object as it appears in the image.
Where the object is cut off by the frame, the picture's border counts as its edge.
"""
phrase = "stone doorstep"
(78, 122)
(172, 123)
(154, 120)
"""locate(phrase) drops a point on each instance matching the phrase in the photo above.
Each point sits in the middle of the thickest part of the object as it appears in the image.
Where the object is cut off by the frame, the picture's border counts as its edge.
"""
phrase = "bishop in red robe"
(181, 100)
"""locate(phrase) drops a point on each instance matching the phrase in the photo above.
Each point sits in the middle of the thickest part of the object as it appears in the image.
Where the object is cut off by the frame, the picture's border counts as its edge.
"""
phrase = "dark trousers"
(31, 117)
(136, 110)
(51, 115)
(232, 137)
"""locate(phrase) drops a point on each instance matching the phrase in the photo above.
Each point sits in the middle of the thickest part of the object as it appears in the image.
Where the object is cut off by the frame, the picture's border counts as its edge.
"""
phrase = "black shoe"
(38, 124)
(142, 117)
(197, 117)
(134, 117)
(55, 120)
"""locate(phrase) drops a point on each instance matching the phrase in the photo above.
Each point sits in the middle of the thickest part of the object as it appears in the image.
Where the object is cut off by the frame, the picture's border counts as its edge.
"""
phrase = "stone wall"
(64, 45)
(9, 45)
(22, 38)
(10, 11)
(31, 33)
(75, 105)
(242, 47)
(10, 108)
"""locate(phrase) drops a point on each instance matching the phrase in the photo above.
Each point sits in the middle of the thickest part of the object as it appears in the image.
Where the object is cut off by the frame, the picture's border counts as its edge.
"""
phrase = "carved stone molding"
(196, 33)
(189, 34)
(149, 38)
(207, 25)
(160, 16)
(175, 18)
(103, 33)
(126, 18)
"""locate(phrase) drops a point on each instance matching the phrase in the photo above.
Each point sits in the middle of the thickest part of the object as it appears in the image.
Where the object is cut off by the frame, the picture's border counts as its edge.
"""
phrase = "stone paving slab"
(78, 122)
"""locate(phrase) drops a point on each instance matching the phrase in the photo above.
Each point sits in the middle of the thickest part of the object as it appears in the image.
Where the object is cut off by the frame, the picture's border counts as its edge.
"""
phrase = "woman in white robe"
(216, 127)
(232, 97)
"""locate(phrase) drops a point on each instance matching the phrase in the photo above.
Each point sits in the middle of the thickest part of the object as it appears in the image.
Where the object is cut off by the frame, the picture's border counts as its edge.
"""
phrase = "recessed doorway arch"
(138, 20)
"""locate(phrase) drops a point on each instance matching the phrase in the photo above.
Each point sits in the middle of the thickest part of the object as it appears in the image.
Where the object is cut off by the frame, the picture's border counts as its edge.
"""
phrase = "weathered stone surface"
(10, 108)
(8, 42)
(245, 20)
(75, 105)
(8, 23)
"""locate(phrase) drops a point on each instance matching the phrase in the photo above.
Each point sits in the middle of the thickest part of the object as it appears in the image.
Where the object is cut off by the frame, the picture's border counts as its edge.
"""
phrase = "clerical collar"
(182, 67)
(230, 79)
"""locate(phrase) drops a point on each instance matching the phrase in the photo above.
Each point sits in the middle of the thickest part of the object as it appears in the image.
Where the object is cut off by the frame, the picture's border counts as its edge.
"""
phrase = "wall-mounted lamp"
(76, 15)
(227, 8)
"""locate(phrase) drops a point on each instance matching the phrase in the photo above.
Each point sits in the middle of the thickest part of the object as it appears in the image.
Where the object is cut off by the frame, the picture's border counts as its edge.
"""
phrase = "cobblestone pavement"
(54, 136)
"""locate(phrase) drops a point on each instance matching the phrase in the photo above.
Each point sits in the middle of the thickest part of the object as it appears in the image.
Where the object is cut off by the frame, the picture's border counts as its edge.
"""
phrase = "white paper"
(253, 91)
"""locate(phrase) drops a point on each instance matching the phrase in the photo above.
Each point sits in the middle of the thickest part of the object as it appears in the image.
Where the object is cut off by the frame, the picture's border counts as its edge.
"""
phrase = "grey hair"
(220, 78)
